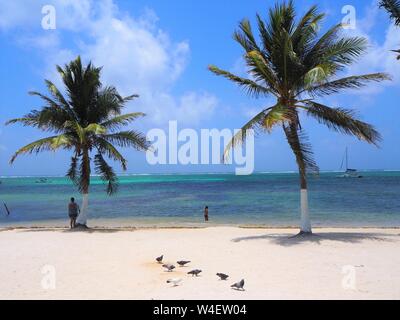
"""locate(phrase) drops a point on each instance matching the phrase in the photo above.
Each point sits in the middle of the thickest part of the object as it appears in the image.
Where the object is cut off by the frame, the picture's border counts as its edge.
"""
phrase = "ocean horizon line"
(197, 173)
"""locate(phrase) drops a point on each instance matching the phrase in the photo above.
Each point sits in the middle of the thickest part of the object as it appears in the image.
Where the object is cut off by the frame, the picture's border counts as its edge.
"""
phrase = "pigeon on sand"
(195, 272)
(169, 267)
(175, 281)
(238, 285)
(222, 276)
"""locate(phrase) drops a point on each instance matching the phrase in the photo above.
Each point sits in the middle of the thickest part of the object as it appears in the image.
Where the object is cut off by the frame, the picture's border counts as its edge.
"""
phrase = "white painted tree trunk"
(83, 215)
(305, 216)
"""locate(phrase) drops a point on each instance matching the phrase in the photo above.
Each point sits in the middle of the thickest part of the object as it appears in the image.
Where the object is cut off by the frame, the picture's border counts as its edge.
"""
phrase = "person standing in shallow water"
(73, 211)
(206, 214)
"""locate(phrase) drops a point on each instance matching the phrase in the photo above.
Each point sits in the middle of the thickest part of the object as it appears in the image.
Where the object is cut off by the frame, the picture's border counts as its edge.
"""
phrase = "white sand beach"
(114, 264)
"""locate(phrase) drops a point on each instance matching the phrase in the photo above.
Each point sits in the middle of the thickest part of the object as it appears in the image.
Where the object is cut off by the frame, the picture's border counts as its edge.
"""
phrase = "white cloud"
(189, 109)
(27, 14)
(379, 57)
(134, 55)
(138, 57)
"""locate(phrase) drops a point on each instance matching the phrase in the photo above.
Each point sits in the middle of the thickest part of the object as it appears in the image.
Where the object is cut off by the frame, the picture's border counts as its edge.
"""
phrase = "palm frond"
(260, 70)
(129, 138)
(108, 102)
(299, 143)
(130, 98)
(72, 172)
(106, 173)
(393, 7)
(83, 181)
(317, 75)
(397, 51)
(345, 51)
(255, 123)
(306, 31)
(344, 121)
(352, 82)
(244, 36)
(251, 87)
(47, 119)
(77, 129)
(121, 120)
(95, 128)
(105, 147)
(49, 101)
(57, 95)
(29, 120)
(45, 144)
(278, 115)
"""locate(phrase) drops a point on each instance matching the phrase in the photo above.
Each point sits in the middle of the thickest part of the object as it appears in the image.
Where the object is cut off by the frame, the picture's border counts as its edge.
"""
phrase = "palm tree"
(393, 7)
(85, 122)
(295, 65)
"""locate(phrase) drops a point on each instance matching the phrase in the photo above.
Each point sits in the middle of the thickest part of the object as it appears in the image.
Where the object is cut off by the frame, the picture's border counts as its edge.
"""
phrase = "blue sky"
(160, 50)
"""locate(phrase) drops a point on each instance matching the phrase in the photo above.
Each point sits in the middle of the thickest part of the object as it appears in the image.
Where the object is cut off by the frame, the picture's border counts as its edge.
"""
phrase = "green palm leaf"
(105, 147)
(45, 144)
(106, 173)
(129, 138)
(121, 120)
(352, 82)
(72, 172)
(255, 123)
(250, 86)
(344, 121)
(302, 149)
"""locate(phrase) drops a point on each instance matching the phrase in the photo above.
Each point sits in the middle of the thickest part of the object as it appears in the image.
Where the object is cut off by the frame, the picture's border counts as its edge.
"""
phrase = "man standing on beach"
(73, 210)
(206, 213)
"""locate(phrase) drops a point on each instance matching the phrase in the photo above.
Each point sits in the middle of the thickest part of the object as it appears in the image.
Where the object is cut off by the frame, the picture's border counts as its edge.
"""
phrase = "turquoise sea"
(265, 199)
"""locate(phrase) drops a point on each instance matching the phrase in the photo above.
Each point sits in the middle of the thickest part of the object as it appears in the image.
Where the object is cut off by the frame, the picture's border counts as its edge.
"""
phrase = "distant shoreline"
(196, 173)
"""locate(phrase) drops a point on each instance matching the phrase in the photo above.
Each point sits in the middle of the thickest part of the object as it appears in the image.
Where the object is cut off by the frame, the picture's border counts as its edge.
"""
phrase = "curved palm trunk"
(85, 183)
(294, 142)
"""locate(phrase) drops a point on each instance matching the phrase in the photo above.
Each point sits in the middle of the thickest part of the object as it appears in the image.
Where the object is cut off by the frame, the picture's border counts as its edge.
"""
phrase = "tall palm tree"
(85, 122)
(393, 7)
(292, 63)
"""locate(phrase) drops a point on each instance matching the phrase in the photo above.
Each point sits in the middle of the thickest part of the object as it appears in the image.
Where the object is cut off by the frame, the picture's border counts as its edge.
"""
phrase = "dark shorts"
(72, 216)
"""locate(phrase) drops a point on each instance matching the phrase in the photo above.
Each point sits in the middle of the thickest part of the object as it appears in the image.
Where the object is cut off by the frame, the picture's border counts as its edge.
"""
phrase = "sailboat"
(349, 173)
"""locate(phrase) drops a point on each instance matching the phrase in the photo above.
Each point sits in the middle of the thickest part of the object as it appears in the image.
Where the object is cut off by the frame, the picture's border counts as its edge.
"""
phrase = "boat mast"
(347, 159)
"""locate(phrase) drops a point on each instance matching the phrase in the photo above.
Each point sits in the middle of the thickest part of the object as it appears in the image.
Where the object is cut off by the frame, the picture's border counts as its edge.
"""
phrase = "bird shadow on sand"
(288, 240)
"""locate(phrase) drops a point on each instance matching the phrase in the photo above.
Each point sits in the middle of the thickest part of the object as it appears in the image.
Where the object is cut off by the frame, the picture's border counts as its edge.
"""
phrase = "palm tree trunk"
(83, 215)
(294, 142)
(305, 224)
(85, 183)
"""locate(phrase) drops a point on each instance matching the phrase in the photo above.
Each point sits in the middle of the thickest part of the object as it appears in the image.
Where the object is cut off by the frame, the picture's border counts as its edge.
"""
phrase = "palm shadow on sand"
(288, 240)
